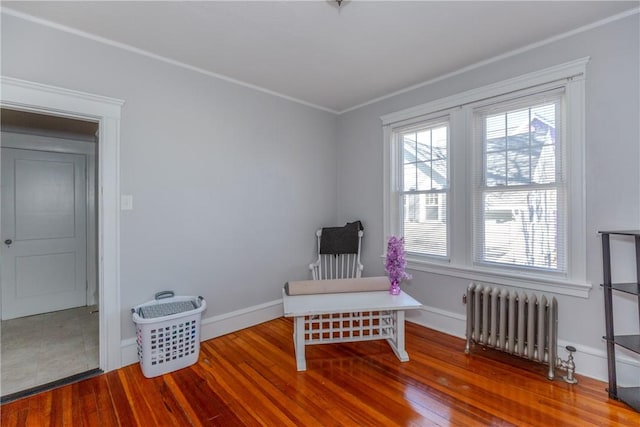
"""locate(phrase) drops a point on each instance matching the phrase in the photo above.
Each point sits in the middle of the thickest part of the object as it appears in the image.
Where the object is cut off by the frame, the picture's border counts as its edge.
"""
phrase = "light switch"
(126, 202)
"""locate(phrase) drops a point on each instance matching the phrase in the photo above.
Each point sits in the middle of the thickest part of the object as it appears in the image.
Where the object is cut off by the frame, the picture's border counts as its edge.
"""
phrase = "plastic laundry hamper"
(168, 332)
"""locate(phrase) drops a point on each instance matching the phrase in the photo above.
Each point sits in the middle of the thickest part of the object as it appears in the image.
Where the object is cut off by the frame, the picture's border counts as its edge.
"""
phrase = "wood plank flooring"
(250, 378)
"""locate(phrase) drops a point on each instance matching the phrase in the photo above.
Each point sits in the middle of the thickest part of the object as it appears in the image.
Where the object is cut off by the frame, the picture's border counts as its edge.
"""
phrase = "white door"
(43, 246)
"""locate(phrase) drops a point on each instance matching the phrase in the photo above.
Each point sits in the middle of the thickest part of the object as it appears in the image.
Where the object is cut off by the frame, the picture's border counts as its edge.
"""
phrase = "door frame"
(34, 97)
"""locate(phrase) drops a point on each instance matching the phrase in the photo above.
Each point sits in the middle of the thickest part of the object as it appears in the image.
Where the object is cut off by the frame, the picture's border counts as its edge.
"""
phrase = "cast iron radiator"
(514, 322)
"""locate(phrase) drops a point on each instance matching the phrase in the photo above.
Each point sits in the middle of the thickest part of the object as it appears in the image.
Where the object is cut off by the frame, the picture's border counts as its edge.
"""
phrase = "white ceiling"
(315, 52)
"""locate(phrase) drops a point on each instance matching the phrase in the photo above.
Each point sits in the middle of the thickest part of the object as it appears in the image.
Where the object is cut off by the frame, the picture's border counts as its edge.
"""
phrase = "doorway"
(49, 311)
(28, 96)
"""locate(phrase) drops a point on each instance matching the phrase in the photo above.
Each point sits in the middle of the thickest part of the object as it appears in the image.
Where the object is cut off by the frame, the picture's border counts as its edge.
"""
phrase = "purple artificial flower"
(396, 261)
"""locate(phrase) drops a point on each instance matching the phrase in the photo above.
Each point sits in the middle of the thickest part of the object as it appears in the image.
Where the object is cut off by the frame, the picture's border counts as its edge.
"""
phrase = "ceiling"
(321, 54)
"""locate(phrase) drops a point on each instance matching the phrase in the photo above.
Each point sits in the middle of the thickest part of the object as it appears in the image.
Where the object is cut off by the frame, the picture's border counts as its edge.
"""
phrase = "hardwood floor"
(249, 378)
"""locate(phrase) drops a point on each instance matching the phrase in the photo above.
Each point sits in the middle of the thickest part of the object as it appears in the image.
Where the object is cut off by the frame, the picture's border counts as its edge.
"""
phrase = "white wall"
(612, 177)
(229, 184)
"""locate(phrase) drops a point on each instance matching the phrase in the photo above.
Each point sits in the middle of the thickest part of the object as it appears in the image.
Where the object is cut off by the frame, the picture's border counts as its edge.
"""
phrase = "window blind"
(424, 187)
(519, 213)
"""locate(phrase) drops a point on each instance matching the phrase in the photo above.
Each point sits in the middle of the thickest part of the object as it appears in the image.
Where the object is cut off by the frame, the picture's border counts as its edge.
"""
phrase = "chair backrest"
(337, 266)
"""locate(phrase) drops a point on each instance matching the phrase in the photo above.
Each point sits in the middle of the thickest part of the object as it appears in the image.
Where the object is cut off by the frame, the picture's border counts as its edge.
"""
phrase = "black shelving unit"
(628, 395)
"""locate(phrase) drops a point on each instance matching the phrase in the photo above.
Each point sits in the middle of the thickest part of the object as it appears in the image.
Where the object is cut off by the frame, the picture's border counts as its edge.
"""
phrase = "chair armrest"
(314, 267)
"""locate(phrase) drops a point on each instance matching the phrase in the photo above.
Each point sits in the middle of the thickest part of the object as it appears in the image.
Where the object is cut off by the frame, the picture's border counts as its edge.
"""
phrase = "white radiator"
(514, 322)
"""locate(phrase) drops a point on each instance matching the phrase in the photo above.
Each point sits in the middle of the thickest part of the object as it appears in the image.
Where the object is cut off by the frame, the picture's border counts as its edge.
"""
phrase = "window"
(424, 188)
(482, 184)
(520, 194)
(432, 207)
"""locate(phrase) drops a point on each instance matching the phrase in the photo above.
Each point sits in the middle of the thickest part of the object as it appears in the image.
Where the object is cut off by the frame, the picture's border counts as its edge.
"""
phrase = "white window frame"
(559, 184)
(459, 109)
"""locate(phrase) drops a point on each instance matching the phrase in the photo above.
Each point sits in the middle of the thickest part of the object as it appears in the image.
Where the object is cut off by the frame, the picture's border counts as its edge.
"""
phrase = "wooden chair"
(338, 265)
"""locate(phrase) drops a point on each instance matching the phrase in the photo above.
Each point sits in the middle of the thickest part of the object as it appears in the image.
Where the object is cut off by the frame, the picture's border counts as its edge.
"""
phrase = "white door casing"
(44, 219)
(39, 98)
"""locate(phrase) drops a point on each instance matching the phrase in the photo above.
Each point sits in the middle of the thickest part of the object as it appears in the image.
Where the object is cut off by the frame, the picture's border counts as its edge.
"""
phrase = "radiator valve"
(569, 365)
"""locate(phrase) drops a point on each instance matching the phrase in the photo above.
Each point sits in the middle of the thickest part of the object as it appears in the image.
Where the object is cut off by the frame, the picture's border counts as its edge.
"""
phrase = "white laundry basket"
(168, 332)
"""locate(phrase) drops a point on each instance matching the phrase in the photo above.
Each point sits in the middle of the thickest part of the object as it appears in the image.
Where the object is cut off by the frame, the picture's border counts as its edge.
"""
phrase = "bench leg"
(298, 342)
(397, 344)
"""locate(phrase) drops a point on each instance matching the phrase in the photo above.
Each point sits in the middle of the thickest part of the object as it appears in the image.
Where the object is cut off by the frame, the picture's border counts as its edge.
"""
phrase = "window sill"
(557, 285)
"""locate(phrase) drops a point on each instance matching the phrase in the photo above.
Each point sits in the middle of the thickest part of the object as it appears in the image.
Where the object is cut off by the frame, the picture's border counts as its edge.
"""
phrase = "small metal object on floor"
(49, 386)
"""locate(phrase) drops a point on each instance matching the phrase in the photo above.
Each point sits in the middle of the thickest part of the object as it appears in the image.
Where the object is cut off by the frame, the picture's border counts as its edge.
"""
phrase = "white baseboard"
(216, 326)
(240, 319)
(590, 361)
(441, 320)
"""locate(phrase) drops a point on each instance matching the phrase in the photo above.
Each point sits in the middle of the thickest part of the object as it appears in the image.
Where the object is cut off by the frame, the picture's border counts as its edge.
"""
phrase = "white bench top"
(306, 305)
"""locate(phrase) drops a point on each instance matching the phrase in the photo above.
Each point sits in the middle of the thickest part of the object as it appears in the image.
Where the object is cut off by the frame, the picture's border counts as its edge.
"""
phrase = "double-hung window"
(424, 187)
(488, 184)
(519, 207)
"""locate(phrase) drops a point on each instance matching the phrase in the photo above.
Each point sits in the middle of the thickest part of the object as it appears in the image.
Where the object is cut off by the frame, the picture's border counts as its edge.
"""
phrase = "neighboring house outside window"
(482, 184)
(520, 194)
(435, 210)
